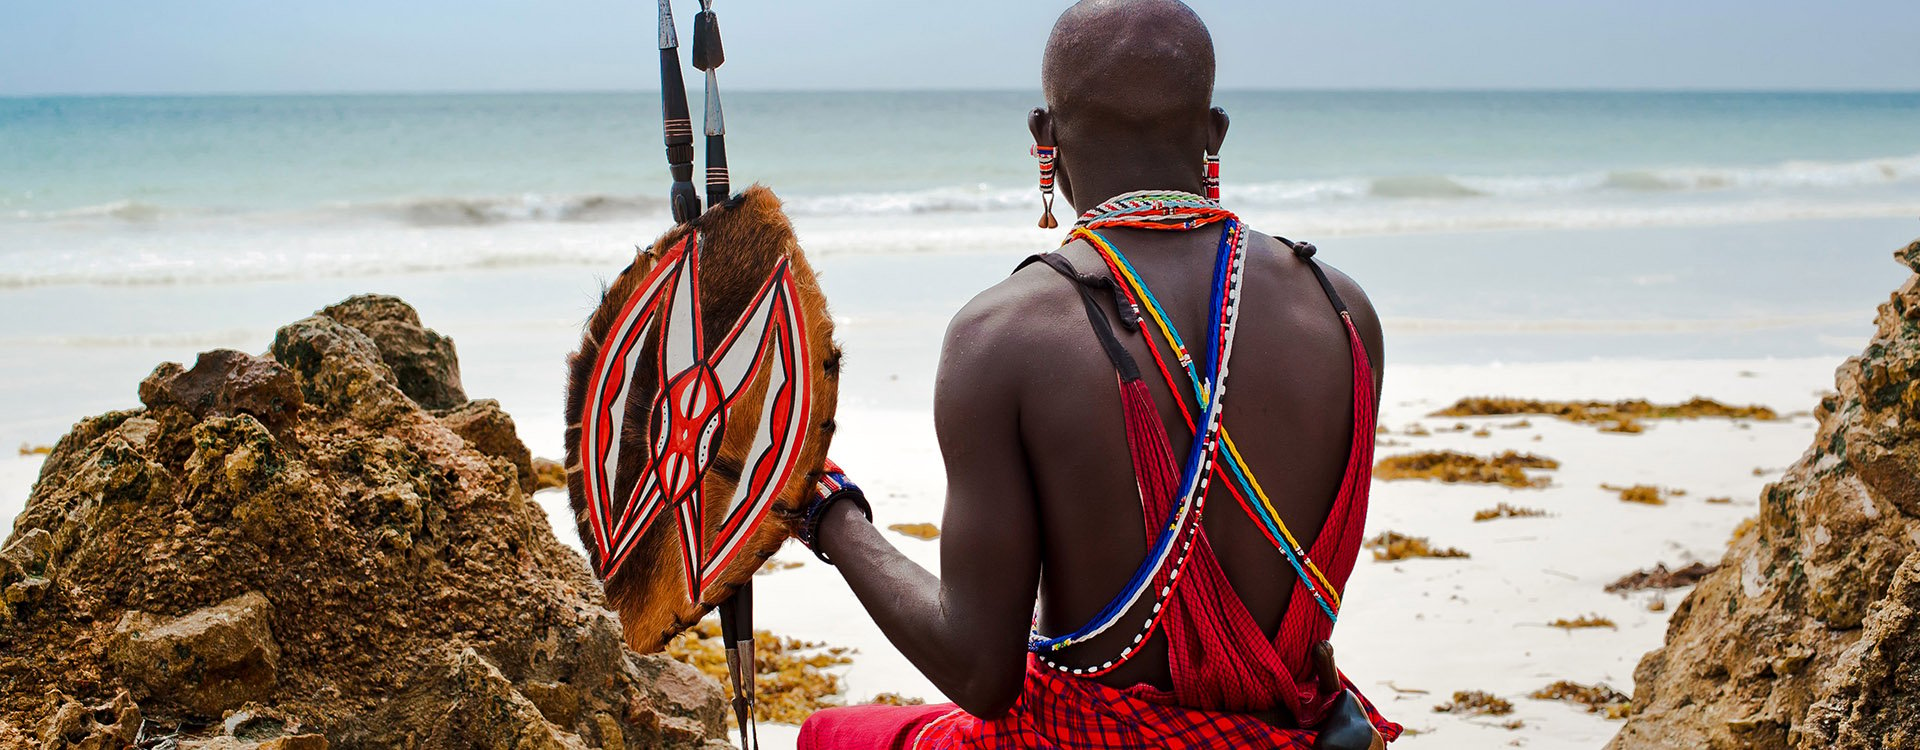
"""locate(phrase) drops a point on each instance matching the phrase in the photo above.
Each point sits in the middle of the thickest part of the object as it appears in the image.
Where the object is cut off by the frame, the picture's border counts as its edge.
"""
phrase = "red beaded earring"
(1046, 155)
(1212, 178)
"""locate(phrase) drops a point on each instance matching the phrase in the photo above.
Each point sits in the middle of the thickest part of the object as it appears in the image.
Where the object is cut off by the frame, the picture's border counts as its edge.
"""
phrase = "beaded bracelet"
(832, 488)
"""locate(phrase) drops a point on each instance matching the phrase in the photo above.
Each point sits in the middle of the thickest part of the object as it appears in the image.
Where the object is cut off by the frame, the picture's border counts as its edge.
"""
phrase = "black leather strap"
(1305, 251)
(1123, 361)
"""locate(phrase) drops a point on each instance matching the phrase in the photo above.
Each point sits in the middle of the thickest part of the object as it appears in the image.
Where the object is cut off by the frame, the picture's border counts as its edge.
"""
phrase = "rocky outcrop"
(312, 550)
(422, 361)
(490, 430)
(109, 726)
(1809, 633)
(210, 660)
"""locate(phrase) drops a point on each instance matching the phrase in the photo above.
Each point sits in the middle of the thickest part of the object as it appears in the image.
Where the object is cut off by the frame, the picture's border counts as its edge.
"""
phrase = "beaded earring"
(1046, 155)
(1212, 177)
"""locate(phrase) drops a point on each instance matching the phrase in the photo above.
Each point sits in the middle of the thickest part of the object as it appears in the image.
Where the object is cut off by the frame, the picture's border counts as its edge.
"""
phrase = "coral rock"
(417, 599)
(224, 382)
(1807, 634)
(423, 361)
(339, 369)
(208, 661)
(76, 726)
(489, 430)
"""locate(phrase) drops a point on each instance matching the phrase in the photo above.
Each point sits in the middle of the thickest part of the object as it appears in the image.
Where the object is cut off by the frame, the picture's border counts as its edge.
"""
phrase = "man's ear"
(1040, 123)
(1217, 122)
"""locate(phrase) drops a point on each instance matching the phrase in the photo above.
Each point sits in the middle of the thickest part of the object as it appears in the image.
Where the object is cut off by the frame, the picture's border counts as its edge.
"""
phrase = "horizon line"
(957, 90)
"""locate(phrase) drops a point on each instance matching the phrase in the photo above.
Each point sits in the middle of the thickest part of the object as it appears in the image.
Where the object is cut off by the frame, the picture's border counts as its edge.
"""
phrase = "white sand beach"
(1412, 632)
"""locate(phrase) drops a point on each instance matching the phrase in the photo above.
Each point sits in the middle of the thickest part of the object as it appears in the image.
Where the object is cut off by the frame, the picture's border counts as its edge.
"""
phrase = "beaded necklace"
(1171, 212)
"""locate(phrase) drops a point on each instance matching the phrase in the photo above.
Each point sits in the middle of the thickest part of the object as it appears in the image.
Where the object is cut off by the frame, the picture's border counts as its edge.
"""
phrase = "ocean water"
(183, 190)
(1489, 226)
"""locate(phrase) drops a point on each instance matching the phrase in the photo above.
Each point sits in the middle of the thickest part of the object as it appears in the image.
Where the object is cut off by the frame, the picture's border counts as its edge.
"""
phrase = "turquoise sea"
(934, 152)
(1489, 227)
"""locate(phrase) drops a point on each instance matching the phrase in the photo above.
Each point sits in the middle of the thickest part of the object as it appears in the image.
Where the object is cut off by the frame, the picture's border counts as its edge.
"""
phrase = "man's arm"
(967, 630)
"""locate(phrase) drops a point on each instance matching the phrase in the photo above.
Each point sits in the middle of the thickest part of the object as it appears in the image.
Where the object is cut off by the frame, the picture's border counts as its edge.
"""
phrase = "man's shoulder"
(1001, 339)
(1365, 319)
(1023, 308)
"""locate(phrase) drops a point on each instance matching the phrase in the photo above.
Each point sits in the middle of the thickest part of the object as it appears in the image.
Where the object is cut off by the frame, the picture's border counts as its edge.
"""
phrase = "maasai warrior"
(1091, 461)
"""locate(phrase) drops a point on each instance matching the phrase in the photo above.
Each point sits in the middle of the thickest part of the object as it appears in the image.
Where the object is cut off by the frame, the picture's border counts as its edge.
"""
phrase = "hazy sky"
(200, 46)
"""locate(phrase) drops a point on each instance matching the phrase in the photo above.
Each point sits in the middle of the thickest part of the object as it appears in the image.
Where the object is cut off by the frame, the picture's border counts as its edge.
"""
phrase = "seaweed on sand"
(1475, 703)
(1393, 545)
(793, 678)
(921, 531)
(1583, 622)
(771, 567)
(1644, 494)
(1599, 698)
(895, 699)
(1615, 416)
(1508, 469)
(1659, 577)
(1505, 510)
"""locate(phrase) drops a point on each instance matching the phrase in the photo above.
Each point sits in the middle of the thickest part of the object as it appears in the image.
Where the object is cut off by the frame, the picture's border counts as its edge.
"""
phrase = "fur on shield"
(741, 246)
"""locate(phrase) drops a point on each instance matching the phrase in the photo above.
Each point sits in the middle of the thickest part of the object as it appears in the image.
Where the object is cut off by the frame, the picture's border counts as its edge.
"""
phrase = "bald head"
(1139, 66)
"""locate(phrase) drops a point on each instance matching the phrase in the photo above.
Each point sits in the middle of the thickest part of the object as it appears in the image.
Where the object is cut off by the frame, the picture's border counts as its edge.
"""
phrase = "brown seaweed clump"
(1393, 545)
(921, 531)
(1644, 494)
(1598, 698)
(793, 679)
(1659, 577)
(1626, 426)
(895, 699)
(771, 567)
(1807, 635)
(1583, 622)
(1507, 469)
(1613, 416)
(293, 550)
(1475, 703)
(548, 474)
(1505, 510)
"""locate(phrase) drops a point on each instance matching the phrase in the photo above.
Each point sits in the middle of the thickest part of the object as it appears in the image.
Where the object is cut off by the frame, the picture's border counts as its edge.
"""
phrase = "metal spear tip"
(668, 40)
(716, 119)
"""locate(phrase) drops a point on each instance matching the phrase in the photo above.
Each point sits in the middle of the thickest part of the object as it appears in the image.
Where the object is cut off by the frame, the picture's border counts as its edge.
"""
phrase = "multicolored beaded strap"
(1170, 211)
(1139, 210)
(1242, 482)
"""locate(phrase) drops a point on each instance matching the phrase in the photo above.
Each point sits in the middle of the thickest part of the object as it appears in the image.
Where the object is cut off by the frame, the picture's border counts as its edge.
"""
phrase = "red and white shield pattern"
(694, 399)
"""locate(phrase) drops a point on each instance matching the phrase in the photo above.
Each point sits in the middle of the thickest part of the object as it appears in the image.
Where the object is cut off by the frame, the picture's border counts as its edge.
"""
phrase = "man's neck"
(1120, 175)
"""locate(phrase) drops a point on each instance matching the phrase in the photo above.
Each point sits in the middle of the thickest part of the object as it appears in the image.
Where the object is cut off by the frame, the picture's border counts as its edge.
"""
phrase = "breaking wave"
(432, 212)
(1764, 181)
(124, 211)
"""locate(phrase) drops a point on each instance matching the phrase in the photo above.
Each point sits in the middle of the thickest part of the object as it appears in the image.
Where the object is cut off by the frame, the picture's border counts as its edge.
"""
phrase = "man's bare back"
(1289, 405)
(1039, 479)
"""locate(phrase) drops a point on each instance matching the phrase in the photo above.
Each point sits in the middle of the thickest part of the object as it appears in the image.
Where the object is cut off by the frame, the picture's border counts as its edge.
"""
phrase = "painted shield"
(699, 410)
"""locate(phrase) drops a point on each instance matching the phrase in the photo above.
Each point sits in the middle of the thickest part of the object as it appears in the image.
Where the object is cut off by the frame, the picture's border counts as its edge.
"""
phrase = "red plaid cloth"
(1058, 712)
(1064, 712)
